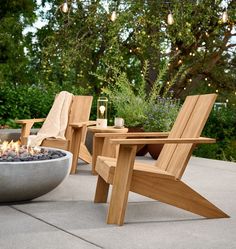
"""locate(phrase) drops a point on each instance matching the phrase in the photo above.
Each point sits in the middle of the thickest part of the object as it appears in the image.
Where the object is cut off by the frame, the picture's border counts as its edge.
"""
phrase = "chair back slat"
(196, 117)
(176, 131)
(79, 111)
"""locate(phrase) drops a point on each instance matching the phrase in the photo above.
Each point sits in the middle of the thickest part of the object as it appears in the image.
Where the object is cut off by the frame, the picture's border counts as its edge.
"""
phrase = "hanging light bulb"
(225, 16)
(113, 16)
(170, 19)
(64, 7)
(180, 62)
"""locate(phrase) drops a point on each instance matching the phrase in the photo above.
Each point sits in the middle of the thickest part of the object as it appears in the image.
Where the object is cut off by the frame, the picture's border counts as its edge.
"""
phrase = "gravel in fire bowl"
(24, 155)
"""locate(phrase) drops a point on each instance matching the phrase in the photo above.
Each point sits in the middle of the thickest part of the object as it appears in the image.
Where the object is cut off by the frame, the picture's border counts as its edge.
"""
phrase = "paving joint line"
(57, 227)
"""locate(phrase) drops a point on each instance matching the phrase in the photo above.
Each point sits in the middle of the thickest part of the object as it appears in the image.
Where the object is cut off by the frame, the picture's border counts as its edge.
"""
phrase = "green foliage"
(222, 126)
(24, 101)
(127, 103)
(73, 47)
(137, 107)
(14, 63)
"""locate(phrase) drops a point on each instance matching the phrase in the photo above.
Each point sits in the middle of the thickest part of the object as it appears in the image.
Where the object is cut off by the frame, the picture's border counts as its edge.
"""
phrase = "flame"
(9, 146)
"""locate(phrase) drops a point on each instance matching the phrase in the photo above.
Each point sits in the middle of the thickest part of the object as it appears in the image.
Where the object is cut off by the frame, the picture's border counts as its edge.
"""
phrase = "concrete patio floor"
(67, 218)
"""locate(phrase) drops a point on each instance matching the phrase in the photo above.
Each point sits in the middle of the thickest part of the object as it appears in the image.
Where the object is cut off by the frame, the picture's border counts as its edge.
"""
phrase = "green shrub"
(25, 101)
(127, 103)
(222, 126)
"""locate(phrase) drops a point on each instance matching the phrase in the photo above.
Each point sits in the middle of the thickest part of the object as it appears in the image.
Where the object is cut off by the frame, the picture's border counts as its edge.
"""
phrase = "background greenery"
(222, 126)
(84, 52)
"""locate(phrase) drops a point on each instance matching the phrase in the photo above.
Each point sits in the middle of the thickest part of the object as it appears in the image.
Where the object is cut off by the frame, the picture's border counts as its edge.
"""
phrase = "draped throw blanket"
(56, 122)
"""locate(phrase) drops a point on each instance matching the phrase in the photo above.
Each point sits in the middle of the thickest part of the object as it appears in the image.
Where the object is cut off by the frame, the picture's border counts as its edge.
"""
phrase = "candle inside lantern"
(102, 109)
(102, 112)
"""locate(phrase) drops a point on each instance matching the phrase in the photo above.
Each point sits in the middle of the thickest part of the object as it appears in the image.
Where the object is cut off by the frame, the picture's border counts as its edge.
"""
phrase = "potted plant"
(142, 111)
(128, 104)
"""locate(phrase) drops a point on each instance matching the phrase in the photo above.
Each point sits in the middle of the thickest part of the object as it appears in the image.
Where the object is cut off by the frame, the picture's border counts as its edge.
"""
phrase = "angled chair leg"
(75, 148)
(176, 193)
(101, 191)
(84, 154)
(121, 184)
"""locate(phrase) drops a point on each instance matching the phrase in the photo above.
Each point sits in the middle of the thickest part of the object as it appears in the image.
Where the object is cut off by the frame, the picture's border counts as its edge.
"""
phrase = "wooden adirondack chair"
(161, 181)
(78, 117)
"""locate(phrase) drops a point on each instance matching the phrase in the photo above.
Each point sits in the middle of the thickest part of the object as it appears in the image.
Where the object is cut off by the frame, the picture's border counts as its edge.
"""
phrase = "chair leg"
(84, 154)
(97, 151)
(121, 184)
(75, 148)
(101, 191)
(175, 193)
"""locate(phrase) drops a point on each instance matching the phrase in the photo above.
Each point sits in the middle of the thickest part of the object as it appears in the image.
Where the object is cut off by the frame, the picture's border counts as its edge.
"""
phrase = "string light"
(227, 101)
(180, 62)
(206, 79)
(209, 84)
(190, 80)
(64, 7)
(225, 16)
(113, 16)
(217, 90)
(170, 19)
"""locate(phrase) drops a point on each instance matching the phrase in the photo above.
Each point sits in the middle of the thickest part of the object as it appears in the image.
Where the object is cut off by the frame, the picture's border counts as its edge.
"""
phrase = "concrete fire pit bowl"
(24, 181)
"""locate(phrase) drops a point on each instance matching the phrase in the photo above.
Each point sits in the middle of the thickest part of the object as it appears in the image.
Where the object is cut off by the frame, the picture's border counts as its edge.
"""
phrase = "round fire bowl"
(24, 181)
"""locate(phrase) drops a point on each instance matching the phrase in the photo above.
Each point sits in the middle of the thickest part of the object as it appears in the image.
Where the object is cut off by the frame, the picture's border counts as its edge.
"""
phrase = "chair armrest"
(81, 124)
(26, 126)
(34, 120)
(199, 140)
(134, 134)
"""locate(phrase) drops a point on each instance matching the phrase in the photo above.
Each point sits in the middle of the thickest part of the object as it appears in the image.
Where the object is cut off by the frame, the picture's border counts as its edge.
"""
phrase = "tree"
(193, 52)
(14, 17)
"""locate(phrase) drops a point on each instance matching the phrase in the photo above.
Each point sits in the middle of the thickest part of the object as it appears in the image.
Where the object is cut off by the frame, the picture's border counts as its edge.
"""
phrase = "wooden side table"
(101, 145)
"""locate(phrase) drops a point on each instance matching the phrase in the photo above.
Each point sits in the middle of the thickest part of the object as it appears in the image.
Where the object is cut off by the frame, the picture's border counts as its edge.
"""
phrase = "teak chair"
(161, 181)
(77, 123)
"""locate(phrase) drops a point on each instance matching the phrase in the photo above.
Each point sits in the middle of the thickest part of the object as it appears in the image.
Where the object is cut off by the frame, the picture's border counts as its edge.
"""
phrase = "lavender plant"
(161, 114)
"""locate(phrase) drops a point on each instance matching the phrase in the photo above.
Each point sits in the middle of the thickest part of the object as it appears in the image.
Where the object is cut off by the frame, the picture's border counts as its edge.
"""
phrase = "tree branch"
(231, 45)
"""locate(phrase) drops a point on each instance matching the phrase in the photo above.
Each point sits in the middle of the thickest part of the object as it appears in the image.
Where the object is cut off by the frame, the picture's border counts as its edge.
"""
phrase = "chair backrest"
(79, 111)
(189, 124)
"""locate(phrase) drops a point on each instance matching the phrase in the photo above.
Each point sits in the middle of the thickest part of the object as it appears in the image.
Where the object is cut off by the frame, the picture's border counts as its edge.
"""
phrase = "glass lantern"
(102, 104)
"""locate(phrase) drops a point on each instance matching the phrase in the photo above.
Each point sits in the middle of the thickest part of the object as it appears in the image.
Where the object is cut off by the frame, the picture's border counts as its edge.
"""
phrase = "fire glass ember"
(14, 152)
